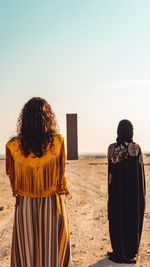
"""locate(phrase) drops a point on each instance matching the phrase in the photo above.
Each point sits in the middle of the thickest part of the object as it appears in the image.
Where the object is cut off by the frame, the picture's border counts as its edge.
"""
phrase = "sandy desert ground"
(87, 211)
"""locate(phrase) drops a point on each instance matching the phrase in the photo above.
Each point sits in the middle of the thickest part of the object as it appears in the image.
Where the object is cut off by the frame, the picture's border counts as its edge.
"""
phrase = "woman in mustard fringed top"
(35, 163)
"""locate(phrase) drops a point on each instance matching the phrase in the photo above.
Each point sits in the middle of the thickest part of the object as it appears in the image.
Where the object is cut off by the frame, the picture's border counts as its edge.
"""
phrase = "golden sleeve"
(62, 183)
(10, 169)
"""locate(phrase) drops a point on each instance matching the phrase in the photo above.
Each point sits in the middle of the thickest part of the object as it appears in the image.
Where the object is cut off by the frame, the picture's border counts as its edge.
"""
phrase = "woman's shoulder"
(58, 141)
(58, 138)
(111, 146)
(133, 149)
(13, 142)
(111, 150)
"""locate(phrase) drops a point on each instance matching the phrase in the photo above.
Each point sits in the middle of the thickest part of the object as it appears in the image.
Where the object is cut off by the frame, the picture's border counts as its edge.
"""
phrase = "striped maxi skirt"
(40, 237)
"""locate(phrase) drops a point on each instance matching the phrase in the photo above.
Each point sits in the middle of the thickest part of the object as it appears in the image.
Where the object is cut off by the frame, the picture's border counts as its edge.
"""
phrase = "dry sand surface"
(87, 211)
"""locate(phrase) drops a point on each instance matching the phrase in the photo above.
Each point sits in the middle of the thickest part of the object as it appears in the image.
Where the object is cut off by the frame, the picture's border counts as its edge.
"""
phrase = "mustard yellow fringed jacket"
(37, 177)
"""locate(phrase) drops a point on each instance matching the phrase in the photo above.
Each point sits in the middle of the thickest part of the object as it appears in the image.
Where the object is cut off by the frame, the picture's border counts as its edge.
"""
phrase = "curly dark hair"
(36, 127)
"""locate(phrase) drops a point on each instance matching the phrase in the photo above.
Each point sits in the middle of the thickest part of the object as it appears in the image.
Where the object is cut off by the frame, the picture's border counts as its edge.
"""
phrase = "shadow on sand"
(107, 263)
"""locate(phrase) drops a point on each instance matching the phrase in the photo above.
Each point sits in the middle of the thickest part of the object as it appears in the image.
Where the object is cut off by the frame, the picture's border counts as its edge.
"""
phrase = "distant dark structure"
(72, 136)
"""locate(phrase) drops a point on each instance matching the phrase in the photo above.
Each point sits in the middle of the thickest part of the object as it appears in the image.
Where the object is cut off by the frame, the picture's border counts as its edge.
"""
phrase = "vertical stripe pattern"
(40, 237)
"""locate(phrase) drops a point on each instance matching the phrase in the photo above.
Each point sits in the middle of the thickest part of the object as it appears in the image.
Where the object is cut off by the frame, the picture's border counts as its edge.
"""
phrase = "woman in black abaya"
(126, 195)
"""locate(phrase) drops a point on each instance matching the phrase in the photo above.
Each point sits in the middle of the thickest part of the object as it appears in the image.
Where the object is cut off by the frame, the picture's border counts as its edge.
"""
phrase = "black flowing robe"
(126, 198)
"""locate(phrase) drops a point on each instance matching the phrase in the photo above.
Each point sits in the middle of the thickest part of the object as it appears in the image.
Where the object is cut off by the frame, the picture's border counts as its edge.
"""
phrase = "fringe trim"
(38, 182)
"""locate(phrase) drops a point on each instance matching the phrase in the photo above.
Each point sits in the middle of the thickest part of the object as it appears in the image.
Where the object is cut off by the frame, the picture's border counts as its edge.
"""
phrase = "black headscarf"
(124, 131)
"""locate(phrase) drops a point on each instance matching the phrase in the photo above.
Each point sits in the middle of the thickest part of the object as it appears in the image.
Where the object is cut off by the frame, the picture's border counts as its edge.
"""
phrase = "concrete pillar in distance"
(72, 136)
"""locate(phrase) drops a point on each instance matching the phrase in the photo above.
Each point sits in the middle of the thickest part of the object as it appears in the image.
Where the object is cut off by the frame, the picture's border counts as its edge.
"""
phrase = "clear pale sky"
(90, 57)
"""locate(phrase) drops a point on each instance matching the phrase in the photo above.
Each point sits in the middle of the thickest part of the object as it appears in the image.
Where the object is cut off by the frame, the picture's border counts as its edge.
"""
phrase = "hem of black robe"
(117, 259)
